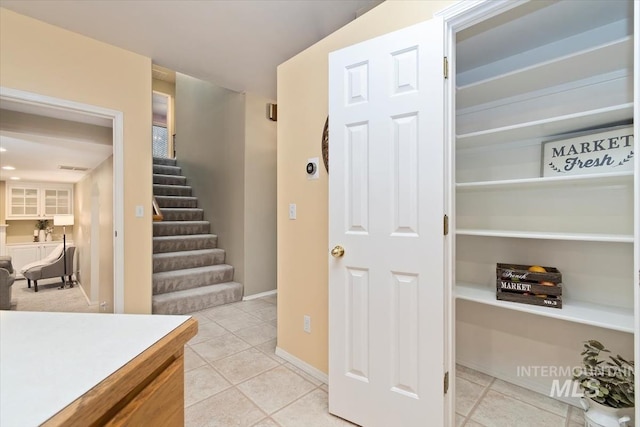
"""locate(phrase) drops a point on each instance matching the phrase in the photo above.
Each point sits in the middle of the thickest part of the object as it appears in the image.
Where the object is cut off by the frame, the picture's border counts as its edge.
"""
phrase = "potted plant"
(41, 226)
(608, 386)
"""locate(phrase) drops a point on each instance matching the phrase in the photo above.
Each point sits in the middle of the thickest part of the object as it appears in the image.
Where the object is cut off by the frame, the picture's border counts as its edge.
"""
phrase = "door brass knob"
(337, 251)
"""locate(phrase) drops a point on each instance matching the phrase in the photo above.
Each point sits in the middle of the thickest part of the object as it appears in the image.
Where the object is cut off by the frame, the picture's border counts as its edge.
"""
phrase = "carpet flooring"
(49, 297)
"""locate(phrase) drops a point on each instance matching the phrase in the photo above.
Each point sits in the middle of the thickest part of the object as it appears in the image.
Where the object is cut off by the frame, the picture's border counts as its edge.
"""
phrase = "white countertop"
(48, 360)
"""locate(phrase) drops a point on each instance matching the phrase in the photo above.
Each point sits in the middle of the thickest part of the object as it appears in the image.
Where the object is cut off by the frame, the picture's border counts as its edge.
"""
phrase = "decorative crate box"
(515, 283)
(549, 301)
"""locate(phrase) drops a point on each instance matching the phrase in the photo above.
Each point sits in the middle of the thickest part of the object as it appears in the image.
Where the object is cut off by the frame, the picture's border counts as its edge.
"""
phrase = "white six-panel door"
(386, 207)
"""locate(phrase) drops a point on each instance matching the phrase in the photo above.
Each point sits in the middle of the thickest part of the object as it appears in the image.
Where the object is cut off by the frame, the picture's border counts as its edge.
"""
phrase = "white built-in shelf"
(600, 180)
(545, 235)
(596, 61)
(616, 318)
(541, 129)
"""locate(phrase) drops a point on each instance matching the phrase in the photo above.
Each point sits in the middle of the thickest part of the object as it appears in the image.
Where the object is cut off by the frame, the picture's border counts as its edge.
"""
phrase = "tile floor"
(234, 378)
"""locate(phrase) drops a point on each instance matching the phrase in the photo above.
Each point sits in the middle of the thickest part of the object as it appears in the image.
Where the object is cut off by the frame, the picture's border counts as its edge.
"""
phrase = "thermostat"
(312, 168)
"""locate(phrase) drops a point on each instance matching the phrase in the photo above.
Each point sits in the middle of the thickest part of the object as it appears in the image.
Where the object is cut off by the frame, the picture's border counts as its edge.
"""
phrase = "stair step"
(164, 161)
(170, 261)
(169, 179)
(191, 242)
(171, 190)
(182, 214)
(167, 170)
(180, 280)
(174, 228)
(196, 299)
(177, 202)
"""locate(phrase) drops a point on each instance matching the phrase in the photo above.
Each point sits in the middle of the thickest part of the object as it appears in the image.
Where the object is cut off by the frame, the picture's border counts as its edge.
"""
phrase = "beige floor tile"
(499, 410)
(192, 360)
(274, 322)
(208, 331)
(531, 397)
(267, 422)
(576, 414)
(257, 334)
(201, 383)
(244, 365)
(303, 374)
(239, 321)
(273, 299)
(229, 408)
(309, 411)
(269, 348)
(324, 387)
(253, 305)
(221, 312)
(575, 424)
(200, 317)
(275, 389)
(221, 347)
(467, 394)
(459, 420)
(472, 423)
(473, 375)
(268, 313)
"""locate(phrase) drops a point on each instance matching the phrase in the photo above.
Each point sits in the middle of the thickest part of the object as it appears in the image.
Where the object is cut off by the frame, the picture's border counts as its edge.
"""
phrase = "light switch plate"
(292, 211)
(139, 211)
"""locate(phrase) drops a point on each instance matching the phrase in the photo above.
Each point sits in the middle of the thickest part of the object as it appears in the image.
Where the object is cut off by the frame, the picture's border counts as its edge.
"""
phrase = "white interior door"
(386, 204)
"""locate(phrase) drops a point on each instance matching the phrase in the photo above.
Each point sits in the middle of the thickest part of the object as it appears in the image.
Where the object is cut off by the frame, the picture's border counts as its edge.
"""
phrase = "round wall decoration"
(325, 145)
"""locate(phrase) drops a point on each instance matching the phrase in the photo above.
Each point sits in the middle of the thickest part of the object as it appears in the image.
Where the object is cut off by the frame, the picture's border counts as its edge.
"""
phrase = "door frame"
(456, 18)
(117, 119)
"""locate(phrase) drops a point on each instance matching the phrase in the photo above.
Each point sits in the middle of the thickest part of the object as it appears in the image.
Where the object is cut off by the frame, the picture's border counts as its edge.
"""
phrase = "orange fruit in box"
(547, 283)
(537, 269)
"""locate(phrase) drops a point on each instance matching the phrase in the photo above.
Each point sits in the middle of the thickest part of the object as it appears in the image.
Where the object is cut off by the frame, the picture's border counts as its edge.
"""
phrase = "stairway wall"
(226, 147)
(260, 236)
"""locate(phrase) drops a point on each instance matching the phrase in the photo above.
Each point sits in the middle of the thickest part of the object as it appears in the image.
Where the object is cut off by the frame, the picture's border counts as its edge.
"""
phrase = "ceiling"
(234, 44)
(50, 145)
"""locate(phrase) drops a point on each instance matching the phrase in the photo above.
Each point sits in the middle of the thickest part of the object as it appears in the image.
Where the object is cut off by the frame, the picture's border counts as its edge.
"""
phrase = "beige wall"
(210, 150)
(93, 207)
(226, 147)
(260, 197)
(3, 203)
(44, 59)
(302, 243)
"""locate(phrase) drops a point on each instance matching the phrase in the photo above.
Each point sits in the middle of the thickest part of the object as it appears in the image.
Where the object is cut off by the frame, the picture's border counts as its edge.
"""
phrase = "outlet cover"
(307, 324)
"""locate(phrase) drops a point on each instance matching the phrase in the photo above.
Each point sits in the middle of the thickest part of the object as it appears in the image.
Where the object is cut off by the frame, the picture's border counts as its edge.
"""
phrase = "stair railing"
(157, 213)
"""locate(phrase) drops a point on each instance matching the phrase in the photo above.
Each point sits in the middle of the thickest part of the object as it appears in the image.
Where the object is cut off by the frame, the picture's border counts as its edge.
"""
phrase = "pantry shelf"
(615, 318)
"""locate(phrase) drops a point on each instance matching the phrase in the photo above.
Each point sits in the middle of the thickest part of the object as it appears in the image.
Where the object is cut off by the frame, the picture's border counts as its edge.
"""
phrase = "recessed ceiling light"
(15, 178)
(8, 168)
(2, 150)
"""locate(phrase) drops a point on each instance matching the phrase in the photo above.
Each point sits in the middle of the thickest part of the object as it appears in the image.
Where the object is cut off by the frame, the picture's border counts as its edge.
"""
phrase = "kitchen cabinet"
(38, 200)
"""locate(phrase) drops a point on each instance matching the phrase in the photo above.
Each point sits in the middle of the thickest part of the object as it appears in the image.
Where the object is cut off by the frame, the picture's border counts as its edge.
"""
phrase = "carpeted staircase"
(189, 273)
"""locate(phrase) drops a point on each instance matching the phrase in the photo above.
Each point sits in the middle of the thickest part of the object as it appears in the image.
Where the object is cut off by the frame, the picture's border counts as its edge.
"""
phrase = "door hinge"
(446, 68)
(446, 382)
(446, 224)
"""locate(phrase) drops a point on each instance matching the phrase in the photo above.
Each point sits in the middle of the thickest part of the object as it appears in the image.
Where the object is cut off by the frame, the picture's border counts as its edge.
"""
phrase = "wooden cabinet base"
(149, 390)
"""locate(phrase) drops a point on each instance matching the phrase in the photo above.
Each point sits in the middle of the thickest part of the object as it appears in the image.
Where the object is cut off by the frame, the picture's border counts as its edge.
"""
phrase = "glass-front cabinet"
(38, 200)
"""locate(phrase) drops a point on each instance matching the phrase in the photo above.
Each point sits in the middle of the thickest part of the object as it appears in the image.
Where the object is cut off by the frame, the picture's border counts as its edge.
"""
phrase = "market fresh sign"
(607, 151)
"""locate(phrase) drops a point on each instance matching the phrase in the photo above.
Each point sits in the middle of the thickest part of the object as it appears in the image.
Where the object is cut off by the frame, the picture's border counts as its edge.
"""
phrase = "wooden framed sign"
(601, 151)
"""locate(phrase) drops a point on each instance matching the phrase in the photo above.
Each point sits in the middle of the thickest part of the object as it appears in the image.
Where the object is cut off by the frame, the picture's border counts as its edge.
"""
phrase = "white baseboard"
(89, 302)
(314, 372)
(260, 295)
